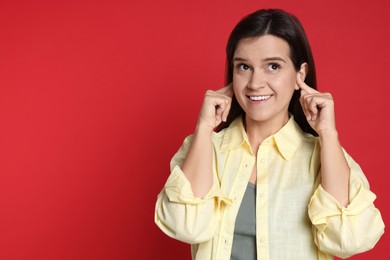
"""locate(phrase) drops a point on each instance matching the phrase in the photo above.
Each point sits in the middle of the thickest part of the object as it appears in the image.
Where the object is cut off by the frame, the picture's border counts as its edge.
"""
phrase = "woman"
(264, 175)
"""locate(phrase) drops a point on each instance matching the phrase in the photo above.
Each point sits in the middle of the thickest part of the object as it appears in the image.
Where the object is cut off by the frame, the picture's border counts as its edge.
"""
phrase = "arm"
(319, 111)
(188, 207)
(334, 168)
(345, 231)
(197, 166)
(181, 215)
(345, 220)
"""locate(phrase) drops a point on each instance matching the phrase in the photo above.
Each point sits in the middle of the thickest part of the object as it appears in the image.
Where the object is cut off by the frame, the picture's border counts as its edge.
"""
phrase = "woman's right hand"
(215, 107)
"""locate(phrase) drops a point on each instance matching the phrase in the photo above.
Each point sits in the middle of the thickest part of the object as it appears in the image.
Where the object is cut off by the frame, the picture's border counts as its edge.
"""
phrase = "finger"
(306, 103)
(316, 102)
(221, 107)
(216, 98)
(219, 114)
(227, 90)
(226, 111)
(227, 98)
(304, 108)
(229, 93)
(303, 86)
(302, 99)
(312, 106)
(219, 103)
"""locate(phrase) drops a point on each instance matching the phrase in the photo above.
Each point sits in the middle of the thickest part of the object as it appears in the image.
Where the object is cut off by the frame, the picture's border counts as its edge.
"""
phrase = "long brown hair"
(286, 26)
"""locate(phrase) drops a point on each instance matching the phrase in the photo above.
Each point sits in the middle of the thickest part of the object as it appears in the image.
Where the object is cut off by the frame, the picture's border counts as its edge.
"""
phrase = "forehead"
(262, 47)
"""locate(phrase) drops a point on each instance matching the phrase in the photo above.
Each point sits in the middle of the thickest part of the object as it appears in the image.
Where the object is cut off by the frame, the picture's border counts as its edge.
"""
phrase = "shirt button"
(261, 195)
(261, 160)
(262, 240)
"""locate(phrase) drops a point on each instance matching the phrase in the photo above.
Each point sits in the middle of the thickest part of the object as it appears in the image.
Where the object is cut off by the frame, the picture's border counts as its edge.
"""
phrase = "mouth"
(259, 98)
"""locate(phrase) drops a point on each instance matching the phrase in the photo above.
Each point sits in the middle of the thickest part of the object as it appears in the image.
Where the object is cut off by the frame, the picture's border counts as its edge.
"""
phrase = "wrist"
(328, 135)
(203, 129)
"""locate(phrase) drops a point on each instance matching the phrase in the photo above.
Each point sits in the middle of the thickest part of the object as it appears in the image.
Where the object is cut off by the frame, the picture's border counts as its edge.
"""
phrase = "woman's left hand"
(318, 108)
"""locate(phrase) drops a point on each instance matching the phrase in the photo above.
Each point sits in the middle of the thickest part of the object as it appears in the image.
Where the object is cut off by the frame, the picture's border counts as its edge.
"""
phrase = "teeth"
(257, 98)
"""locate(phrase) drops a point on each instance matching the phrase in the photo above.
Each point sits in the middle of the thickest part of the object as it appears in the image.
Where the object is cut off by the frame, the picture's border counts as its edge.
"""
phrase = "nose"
(257, 80)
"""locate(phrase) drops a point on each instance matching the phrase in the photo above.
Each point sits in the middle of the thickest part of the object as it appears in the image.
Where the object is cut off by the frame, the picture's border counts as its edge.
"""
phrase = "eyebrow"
(264, 60)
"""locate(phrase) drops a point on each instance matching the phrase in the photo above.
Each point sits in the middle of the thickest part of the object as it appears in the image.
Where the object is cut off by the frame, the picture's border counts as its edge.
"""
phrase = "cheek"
(288, 83)
(294, 81)
(236, 90)
(239, 81)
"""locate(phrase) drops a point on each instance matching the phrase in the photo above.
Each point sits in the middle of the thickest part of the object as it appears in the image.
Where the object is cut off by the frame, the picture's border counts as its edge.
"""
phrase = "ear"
(302, 72)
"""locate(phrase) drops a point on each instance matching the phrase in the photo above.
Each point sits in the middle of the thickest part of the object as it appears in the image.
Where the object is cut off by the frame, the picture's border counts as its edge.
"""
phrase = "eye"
(273, 66)
(243, 67)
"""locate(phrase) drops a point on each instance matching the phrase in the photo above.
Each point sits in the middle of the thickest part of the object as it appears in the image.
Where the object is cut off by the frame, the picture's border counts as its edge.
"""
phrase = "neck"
(257, 131)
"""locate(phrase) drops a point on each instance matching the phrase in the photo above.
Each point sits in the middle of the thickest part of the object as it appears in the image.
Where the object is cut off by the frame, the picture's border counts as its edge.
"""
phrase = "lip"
(259, 98)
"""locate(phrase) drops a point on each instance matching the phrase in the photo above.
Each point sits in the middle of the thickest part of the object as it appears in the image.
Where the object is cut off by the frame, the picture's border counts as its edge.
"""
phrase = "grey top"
(244, 242)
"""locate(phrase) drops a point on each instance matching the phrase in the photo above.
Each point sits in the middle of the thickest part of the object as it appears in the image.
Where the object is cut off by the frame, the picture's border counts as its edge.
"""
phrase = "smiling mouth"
(259, 98)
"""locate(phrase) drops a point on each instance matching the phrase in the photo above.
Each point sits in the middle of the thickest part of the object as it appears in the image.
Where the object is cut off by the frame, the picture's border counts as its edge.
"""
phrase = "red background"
(97, 96)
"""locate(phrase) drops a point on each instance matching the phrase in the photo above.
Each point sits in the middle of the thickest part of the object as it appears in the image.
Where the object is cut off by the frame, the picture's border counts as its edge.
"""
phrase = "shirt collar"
(286, 139)
(235, 136)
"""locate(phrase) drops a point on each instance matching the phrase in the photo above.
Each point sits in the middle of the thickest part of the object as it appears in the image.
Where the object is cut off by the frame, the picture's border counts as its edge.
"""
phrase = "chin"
(264, 116)
(258, 117)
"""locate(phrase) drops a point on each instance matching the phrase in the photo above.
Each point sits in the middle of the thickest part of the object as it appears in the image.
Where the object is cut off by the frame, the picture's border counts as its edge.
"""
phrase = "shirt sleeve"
(345, 231)
(181, 215)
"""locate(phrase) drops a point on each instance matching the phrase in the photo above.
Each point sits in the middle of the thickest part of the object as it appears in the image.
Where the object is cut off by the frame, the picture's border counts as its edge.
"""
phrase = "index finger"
(227, 90)
(303, 86)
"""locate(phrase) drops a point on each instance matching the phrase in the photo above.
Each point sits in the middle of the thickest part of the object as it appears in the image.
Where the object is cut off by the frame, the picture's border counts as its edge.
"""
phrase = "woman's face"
(264, 78)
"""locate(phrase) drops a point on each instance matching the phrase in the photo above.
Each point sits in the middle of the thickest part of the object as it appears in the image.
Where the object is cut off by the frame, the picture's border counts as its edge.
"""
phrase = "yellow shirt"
(296, 218)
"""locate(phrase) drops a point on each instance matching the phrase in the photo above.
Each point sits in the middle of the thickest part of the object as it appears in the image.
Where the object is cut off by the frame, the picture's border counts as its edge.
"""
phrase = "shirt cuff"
(178, 189)
(323, 205)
